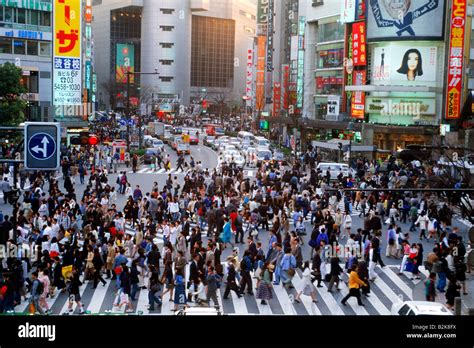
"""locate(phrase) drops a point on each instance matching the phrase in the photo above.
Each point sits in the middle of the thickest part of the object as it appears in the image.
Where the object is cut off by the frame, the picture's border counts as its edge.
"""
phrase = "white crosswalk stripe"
(102, 297)
(149, 171)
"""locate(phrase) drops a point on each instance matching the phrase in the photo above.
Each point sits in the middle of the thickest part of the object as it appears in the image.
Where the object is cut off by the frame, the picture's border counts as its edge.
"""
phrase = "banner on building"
(455, 59)
(286, 86)
(276, 99)
(249, 80)
(125, 63)
(359, 47)
(67, 52)
(260, 81)
(263, 8)
(300, 76)
(349, 11)
(270, 37)
(358, 97)
(88, 11)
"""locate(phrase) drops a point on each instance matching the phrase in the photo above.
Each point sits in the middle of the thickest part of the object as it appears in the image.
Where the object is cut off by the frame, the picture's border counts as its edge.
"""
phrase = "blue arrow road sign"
(42, 146)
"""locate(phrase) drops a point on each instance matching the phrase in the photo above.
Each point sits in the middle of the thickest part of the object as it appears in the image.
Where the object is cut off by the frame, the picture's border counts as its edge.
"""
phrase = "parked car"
(149, 154)
(158, 144)
(419, 308)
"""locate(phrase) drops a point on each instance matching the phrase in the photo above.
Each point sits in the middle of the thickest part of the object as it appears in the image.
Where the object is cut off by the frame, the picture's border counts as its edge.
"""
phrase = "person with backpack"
(245, 268)
(37, 290)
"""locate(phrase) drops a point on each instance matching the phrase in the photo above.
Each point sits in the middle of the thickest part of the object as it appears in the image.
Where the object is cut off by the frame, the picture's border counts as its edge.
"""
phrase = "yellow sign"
(67, 28)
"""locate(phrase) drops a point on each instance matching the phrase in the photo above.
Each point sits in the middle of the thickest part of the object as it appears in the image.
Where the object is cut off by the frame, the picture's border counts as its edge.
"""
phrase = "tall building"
(26, 41)
(198, 47)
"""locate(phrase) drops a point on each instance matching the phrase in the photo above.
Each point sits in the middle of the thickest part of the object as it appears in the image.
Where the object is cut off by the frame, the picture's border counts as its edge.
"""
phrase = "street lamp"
(128, 109)
(350, 128)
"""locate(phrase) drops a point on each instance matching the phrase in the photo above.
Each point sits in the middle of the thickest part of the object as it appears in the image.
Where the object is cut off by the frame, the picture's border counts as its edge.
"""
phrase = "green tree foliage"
(11, 104)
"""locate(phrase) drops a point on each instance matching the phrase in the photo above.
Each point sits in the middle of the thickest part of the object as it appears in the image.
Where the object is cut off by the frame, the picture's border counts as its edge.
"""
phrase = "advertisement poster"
(286, 86)
(249, 80)
(409, 65)
(67, 61)
(125, 62)
(260, 90)
(405, 19)
(455, 59)
(359, 54)
(358, 97)
(276, 99)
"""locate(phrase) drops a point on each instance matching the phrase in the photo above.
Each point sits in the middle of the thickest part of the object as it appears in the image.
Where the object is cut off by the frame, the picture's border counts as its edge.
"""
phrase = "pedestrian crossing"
(388, 288)
(175, 171)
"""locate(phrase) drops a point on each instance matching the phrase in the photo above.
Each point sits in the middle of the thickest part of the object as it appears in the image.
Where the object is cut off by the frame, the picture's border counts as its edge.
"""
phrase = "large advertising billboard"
(405, 20)
(67, 58)
(455, 59)
(406, 65)
(125, 63)
(260, 82)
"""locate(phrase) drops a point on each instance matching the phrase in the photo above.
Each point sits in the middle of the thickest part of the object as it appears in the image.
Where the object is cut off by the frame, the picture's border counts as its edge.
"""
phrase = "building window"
(167, 10)
(45, 49)
(34, 17)
(166, 61)
(32, 48)
(5, 45)
(167, 44)
(249, 30)
(19, 46)
(247, 15)
(9, 14)
(45, 19)
(329, 82)
(166, 27)
(330, 32)
(21, 16)
(330, 58)
(166, 78)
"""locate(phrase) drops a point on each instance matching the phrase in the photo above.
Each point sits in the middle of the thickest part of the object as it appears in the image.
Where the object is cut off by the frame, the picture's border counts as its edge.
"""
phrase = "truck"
(160, 130)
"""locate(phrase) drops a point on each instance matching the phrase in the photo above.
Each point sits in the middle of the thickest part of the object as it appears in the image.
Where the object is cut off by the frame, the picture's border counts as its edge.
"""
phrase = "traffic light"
(84, 139)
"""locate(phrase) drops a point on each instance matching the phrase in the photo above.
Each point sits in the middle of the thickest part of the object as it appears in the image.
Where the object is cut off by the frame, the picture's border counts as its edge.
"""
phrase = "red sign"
(319, 83)
(358, 97)
(261, 56)
(359, 55)
(276, 99)
(88, 12)
(286, 86)
(455, 59)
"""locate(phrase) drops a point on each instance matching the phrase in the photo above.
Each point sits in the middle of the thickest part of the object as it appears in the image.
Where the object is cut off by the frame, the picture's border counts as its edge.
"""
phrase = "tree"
(12, 106)
(221, 99)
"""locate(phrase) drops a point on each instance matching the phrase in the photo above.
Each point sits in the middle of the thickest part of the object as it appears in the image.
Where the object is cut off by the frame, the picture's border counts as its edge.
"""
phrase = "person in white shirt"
(43, 209)
(55, 229)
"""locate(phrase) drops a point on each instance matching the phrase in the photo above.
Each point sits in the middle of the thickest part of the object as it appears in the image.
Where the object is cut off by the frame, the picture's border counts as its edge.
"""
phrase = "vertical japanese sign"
(270, 37)
(249, 81)
(349, 11)
(455, 58)
(276, 99)
(260, 88)
(262, 16)
(300, 76)
(286, 86)
(359, 44)
(125, 62)
(67, 59)
(358, 97)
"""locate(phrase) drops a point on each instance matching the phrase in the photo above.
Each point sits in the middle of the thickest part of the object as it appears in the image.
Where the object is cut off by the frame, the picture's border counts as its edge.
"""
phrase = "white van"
(334, 169)
(247, 136)
(262, 142)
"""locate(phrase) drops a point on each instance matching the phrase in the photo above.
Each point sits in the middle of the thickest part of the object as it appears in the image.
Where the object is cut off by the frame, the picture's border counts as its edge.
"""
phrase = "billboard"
(349, 11)
(263, 8)
(359, 54)
(276, 99)
(300, 76)
(286, 86)
(125, 62)
(405, 19)
(402, 110)
(67, 50)
(455, 59)
(406, 65)
(260, 82)
(358, 97)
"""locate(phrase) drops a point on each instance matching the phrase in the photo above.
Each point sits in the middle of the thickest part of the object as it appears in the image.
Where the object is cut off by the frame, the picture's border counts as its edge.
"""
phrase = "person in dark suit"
(231, 283)
(252, 248)
(154, 258)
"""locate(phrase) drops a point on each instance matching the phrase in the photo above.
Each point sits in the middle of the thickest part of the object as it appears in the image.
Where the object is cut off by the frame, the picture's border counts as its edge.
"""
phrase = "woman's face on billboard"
(413, 61)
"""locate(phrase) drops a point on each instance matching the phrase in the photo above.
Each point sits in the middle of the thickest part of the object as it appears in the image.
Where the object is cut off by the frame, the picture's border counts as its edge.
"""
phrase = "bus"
(215, 130)
(246, 136)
